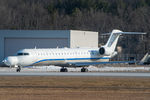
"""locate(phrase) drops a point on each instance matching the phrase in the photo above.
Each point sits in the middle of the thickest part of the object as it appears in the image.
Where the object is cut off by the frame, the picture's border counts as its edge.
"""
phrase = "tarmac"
(78, 74)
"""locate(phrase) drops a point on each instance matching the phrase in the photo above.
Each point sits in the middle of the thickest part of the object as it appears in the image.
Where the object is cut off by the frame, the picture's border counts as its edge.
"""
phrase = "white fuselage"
(58, 56)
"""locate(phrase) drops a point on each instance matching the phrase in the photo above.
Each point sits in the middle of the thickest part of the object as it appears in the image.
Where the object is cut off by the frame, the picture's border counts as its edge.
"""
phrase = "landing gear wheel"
(84, 69)
(63, 69)
(18, 69)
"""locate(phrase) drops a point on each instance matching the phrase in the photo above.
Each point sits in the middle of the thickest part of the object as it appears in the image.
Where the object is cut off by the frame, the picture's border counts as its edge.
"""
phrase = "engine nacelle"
(105, 51)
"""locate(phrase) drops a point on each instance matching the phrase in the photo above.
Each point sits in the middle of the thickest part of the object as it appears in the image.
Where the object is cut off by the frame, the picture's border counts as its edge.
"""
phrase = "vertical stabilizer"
(113, 39)
(145, 59)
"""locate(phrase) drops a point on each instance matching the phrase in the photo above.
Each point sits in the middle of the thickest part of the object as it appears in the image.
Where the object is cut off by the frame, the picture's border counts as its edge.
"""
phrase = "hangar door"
(12, 45)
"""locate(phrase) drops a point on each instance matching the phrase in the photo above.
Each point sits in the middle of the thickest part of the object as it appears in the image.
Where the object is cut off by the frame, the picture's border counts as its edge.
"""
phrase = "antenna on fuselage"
(35, 47)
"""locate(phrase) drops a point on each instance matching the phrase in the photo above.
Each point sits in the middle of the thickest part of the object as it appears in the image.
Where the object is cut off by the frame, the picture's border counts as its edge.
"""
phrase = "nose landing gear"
(18, 69)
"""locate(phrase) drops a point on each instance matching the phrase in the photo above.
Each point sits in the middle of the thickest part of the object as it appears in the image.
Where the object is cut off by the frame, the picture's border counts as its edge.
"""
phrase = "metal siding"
(35, 33)
(30, 34)
(12, 45)
(1, 48)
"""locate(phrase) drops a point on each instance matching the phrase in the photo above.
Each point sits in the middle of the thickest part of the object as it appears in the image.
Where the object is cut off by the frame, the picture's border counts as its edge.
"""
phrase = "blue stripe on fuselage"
(70, 59)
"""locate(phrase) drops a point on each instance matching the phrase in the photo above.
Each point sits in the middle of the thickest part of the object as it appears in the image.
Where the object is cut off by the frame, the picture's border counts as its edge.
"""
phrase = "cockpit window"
(20, 54)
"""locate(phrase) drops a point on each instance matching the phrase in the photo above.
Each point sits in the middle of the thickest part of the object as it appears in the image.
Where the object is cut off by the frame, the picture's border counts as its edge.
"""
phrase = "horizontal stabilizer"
(136, 33)
(130, 33)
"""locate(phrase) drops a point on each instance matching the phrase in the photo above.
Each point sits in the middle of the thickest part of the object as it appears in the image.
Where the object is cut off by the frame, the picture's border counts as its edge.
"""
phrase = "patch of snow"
(90, 68)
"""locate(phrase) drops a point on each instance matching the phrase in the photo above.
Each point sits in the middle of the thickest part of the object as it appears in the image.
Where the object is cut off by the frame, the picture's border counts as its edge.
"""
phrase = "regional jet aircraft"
(67, 57)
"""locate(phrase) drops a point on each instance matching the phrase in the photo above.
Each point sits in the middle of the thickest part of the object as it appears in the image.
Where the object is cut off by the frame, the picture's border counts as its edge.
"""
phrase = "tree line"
(91, 15)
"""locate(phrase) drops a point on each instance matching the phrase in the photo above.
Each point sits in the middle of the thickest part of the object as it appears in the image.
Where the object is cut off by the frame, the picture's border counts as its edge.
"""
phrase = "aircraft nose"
(10, 61)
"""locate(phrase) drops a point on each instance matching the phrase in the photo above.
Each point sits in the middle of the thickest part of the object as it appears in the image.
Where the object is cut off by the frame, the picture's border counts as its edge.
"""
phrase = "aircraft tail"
(109, 47)
(145, 59)
(113, 39)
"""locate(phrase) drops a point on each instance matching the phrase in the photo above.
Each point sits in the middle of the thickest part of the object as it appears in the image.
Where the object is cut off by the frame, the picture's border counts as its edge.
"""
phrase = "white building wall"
(83, 39)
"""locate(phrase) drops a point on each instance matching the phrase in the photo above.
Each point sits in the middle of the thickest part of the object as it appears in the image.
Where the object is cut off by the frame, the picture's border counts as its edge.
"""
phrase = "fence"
(128, 57)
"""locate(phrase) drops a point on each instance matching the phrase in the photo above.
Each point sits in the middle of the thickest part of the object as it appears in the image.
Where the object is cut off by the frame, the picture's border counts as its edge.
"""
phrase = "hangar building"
(13, 40)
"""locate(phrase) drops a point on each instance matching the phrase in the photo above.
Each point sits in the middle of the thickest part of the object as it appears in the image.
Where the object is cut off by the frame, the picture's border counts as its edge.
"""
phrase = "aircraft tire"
(63, 69)
(84, 69)
(66, 70)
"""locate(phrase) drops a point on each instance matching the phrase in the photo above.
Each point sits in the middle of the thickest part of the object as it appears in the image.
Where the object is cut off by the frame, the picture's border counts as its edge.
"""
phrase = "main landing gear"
(63, 69)
(83, 69)
(18, 69)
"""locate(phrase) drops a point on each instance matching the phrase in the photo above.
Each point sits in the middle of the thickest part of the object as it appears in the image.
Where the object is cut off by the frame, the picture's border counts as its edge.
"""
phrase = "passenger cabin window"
(21, 54)
(26, 53)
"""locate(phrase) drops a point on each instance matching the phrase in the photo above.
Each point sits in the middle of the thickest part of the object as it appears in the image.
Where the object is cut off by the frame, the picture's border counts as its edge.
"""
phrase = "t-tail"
(109, 48)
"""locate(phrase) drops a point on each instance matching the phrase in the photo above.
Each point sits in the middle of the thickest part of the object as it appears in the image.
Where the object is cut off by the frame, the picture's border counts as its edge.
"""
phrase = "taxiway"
(78, 74)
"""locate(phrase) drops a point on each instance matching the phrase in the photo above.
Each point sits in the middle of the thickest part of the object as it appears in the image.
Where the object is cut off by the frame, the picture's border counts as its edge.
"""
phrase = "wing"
(97, 63)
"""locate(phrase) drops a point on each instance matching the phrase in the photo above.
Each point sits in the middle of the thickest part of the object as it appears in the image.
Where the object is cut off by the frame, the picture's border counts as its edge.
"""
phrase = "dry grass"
(74, 88)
